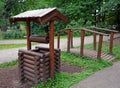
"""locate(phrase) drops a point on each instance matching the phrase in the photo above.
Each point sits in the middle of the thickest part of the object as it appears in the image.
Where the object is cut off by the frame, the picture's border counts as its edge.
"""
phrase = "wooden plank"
(28, 57)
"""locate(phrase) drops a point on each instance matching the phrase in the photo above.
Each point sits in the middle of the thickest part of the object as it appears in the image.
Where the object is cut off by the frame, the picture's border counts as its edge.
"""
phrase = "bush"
(14, 34)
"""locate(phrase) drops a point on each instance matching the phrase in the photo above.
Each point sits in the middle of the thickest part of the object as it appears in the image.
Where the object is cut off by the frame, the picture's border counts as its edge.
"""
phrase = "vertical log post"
(69, 40)
(100, 46)
(51, 46)
(28, 35)
(58, 40)
(111, 42)
(94, 40)
(82, 42)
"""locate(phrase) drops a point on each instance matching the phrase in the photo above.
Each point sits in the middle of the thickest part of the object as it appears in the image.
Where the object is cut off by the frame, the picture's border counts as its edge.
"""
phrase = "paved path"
(11, 54)
(106, 78)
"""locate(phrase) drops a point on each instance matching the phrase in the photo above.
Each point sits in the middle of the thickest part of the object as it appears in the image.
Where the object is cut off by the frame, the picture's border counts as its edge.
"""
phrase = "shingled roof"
(40, 15)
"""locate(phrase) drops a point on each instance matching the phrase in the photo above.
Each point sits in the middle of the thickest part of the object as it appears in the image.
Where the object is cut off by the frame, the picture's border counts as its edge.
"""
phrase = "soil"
(9, 77)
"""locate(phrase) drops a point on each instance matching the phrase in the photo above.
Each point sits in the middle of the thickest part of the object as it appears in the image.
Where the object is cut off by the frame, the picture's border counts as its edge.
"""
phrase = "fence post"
(111, 42)
(94, 40)
(69, 40)
(100, 46)
(82, 42)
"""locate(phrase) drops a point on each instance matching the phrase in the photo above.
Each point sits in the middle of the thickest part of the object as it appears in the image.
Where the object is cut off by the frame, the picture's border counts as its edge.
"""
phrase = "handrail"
(93, 31)
(104, 29)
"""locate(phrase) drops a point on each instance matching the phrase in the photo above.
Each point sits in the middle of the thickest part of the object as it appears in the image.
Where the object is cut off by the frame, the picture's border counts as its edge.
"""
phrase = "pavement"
(106, 78)
(12, 54)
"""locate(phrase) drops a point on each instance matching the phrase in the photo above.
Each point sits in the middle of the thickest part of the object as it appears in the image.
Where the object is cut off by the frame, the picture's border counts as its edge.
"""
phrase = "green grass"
(105, 48)
(65, 80)
(8, 46)
(9, 64)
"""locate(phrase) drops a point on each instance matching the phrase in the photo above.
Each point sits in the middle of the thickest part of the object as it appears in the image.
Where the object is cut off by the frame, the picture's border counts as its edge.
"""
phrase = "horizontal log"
(40, 39)
(29, 61)
(29, 65)
(92, 31)
(29, 52)
(104, 29)
(29, 69)
(29, 74)
(29, 57)
(29, 78)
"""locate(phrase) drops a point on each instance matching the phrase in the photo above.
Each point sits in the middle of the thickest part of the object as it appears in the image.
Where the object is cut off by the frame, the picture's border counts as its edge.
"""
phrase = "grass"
(8, 46)
(65, 80)
(9, 64)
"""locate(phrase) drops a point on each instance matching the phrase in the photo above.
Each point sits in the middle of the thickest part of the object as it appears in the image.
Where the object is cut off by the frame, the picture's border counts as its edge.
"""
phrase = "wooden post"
(58, 40)
(51, 46)
(94, 40)
(111, 42)
(28, 35)
(100, 46)
(82, 42)
(69, 40)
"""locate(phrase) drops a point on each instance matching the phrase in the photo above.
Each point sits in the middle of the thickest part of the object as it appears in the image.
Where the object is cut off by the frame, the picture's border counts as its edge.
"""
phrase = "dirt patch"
(9, 77)
(66, 67)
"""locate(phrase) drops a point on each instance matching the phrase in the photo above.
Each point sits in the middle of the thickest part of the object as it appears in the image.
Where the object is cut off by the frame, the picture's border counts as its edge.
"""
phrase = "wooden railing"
(82, 39)
(111, 33)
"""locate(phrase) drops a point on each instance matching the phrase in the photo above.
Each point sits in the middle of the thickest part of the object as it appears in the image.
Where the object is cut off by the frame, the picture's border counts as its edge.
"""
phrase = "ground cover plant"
(65, 80)
(8, 46)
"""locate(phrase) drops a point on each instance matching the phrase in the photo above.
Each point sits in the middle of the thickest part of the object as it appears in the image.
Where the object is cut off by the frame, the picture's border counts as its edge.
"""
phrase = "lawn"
(8, 46)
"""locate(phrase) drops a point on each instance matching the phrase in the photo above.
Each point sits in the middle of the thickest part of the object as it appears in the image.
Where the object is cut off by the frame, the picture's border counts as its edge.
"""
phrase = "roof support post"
(100, 46)
(82, 42)
(111, 42)
(51, 46)
(28, 34)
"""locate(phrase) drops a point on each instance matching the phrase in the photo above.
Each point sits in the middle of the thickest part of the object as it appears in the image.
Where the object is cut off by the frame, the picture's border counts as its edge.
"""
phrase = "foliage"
(9, 64)
(14, 34)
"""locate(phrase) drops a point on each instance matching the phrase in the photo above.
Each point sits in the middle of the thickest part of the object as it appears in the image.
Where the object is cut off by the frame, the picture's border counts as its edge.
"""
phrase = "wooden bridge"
(96, 54)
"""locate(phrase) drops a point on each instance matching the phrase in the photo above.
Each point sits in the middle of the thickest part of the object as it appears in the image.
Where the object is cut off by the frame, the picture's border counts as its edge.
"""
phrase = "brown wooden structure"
(95, 54)
(41, 16)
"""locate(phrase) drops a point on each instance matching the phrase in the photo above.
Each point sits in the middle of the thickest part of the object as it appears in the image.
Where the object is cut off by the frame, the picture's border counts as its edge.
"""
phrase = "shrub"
(14, 34)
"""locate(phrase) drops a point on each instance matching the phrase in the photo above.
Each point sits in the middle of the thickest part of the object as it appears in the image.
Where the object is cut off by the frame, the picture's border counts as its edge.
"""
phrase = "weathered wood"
(29, 57)
(58, 40)
(94, 40)
(92, 31)
(28, 34)
(40, 39)
(82, 42)
(69, 40)
(51, 46)
(100, 46)
(111, 42)
(29, 61)
(29, 65)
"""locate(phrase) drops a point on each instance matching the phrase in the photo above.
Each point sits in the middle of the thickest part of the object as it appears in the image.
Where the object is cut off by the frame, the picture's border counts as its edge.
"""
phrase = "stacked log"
(34, 65)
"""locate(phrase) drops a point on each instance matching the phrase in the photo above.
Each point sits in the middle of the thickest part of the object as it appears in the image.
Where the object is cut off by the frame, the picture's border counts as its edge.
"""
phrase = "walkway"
(106, 78)
(11, 54)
